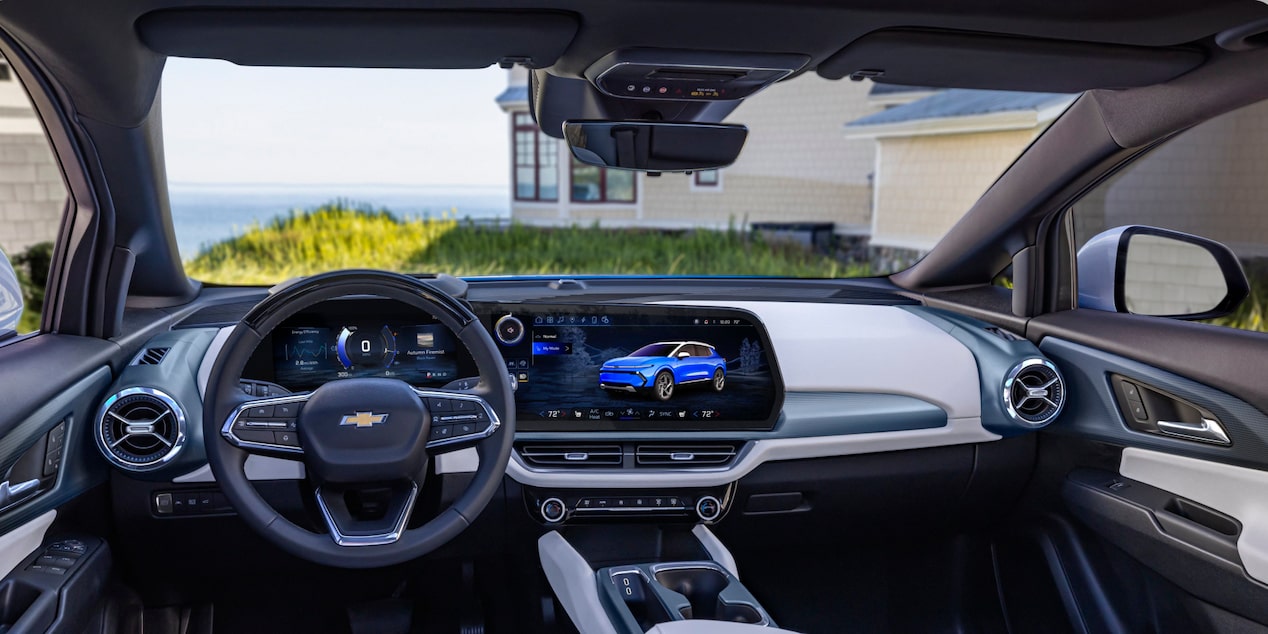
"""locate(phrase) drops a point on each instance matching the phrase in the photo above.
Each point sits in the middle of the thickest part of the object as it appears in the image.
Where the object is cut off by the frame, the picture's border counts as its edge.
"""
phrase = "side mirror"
(1151, 271)
(684, 354)
(11, 303)
(655, 146)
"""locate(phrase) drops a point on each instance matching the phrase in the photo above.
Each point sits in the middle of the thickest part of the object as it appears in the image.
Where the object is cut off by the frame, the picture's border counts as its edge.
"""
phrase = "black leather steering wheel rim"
(223, 396)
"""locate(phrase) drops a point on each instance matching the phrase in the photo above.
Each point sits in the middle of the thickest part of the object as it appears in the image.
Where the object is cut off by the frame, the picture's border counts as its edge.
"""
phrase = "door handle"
(11, 494)
(1206, 431)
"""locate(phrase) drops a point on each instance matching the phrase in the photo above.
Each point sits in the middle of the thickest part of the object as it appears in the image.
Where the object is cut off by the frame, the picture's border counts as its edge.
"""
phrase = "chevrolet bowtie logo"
(364, 419)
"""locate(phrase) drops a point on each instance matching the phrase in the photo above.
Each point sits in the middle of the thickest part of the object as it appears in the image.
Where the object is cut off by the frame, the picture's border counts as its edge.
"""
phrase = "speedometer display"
(363, 348)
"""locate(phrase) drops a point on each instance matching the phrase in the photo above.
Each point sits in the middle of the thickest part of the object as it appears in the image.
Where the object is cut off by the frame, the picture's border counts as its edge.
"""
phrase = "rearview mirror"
(11, 303)
(1151, 271)
(655, 146)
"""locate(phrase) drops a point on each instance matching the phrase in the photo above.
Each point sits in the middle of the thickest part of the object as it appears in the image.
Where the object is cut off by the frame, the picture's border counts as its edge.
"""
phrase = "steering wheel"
(365, 442)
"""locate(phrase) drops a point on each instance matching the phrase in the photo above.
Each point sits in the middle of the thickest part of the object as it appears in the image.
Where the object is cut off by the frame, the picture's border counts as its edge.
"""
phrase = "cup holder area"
(703, 588)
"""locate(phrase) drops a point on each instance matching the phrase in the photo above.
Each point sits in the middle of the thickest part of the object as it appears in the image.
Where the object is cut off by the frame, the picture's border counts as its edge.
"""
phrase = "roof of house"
(893, 89)
(513, 94)
(962, 103)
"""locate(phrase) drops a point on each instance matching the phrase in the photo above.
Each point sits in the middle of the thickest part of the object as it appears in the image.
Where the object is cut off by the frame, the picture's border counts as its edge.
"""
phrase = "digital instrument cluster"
(361, 338)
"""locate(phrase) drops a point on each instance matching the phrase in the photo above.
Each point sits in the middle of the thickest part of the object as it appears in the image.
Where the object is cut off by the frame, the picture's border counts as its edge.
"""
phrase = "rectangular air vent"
(684, 455)
(151, 356)
(571, 456)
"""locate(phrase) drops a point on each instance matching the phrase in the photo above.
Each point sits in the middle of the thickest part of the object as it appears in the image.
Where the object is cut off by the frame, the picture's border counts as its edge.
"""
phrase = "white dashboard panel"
(857, 348)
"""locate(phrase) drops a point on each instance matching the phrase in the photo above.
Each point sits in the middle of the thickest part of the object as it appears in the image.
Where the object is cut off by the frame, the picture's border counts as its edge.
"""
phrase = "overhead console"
(688, 75)
(657, 85)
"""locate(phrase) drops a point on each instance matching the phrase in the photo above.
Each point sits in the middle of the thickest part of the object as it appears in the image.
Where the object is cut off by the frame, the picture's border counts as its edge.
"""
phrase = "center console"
(686, 581)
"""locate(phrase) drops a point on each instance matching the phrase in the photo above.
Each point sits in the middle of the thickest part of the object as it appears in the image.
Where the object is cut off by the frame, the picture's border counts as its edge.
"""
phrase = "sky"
(224, 123)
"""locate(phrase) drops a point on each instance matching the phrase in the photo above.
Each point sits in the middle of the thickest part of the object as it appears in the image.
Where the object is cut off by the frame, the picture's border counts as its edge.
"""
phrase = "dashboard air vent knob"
(140, 428)
(1034, 392)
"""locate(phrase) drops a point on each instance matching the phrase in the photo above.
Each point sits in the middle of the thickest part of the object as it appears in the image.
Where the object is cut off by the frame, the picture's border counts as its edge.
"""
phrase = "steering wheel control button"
(286, 438)
(708, 508)
(438, 405)
(440, 432)
(509, 329)
(286, 410)
(261, 411)
(553, 510)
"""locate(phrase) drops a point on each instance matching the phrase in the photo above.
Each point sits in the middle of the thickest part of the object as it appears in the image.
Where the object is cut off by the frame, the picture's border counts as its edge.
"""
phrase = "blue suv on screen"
(657, 369)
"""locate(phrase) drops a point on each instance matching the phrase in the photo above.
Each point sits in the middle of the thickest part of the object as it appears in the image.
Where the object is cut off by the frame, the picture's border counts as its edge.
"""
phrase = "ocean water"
(204, 214)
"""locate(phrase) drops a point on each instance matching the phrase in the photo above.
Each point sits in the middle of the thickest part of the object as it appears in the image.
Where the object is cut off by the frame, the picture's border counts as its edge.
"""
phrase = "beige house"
(936, 156)
(32, 193)
(795, 168)
(910, 163)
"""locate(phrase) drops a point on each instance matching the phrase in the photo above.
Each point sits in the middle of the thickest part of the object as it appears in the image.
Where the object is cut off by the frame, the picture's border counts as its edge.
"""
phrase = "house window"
(536, 161)
(706, 178)
(592, 184)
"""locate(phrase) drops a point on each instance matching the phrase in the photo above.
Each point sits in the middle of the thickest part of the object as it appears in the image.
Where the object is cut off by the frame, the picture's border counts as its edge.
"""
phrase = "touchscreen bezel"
(526, 312)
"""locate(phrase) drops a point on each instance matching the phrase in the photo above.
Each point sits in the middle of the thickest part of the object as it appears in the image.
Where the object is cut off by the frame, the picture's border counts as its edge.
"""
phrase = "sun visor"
(360, 38)
(972, 60)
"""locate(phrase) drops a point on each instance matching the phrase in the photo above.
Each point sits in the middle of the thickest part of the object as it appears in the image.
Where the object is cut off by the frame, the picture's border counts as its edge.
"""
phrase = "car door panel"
(47, 381)
(1189, 510)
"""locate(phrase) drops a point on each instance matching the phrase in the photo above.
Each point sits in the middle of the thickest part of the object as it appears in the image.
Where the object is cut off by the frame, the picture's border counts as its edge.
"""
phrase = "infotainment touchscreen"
(614, 368)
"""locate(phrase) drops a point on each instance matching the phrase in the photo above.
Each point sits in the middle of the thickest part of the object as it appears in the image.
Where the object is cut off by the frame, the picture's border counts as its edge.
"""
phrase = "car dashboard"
(632, 403)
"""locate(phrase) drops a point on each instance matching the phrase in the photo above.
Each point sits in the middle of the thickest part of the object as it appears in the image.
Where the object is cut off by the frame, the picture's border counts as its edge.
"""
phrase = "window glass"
(448, 171)
(32, 196)
(1208, 181)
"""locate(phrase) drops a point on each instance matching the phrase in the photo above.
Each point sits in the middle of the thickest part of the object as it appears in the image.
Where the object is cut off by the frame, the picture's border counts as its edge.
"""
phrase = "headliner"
(95, 52)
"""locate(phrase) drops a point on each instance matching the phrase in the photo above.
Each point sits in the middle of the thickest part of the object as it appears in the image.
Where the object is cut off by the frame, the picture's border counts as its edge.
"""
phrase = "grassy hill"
(337, 236)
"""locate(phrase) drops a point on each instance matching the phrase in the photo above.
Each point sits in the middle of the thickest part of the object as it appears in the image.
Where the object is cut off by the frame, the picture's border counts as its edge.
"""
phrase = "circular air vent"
(140, 428)
(1034, 392)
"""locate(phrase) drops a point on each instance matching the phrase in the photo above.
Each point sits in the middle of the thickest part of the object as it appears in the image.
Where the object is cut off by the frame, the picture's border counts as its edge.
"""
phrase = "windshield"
(655, 350)
(281, 172)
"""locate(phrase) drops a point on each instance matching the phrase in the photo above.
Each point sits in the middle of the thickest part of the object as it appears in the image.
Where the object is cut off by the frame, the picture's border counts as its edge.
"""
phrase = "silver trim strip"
(379, 539)
(173, 450)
